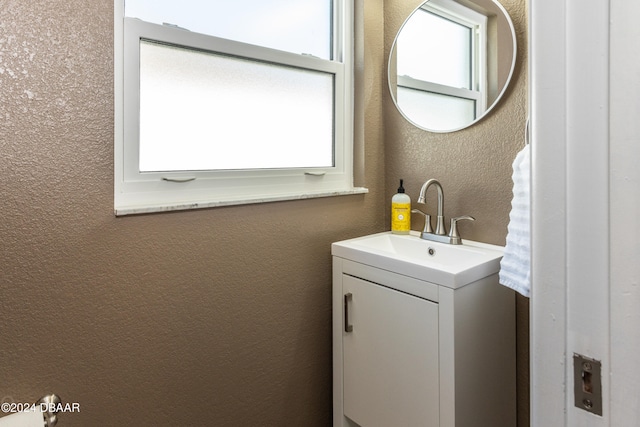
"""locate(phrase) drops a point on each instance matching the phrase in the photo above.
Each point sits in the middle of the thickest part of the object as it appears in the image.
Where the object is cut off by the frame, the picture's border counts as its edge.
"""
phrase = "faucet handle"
(453, 234)
(427, 221)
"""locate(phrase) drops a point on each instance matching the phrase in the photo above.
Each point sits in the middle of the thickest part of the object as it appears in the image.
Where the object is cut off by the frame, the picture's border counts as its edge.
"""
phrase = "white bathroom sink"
(448, 265)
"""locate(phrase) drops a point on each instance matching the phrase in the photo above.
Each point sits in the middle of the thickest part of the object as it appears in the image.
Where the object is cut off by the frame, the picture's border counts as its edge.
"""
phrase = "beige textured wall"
(209, 317)
(473, 165)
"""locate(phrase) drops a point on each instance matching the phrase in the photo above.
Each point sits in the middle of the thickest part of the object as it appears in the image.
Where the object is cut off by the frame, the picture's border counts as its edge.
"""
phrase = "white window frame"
(477, 22)
(136, 192)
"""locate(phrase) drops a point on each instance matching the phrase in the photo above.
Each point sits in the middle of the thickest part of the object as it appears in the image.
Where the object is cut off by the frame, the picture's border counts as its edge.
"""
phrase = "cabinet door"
(390, 357)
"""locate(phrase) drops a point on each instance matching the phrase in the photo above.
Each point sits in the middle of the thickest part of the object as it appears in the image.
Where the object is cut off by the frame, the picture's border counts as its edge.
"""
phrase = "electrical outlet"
(587, 383)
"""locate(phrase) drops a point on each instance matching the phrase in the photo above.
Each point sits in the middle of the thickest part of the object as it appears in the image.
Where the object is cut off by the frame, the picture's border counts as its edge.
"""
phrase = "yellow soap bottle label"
(401, 217)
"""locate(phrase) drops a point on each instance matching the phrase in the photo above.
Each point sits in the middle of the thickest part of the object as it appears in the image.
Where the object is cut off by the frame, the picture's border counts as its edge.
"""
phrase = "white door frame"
(585, 133)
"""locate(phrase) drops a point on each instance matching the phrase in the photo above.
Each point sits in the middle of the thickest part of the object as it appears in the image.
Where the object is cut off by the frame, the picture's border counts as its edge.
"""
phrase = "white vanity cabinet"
(408, 352)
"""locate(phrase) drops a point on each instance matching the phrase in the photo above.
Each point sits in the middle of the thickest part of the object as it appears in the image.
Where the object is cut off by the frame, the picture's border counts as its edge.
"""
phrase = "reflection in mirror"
(451, 62)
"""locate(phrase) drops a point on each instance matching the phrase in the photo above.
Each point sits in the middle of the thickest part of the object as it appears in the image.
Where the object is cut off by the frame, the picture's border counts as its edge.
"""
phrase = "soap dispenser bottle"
(400, 212)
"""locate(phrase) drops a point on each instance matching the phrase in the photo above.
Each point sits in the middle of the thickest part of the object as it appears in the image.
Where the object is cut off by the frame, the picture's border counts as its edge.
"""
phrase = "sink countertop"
(452, 266)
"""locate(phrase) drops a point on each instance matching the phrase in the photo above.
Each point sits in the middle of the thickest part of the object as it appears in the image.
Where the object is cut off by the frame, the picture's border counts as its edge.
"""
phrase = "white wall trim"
(585, 80)
(625, 212)
(570, 195)
(548, 144)
(587, 248)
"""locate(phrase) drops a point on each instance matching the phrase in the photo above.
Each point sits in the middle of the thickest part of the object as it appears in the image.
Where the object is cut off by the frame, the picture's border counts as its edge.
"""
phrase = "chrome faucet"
(440, 235)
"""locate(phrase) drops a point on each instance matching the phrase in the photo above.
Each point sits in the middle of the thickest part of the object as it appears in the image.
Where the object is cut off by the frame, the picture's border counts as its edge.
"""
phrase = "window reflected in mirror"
(448, 63)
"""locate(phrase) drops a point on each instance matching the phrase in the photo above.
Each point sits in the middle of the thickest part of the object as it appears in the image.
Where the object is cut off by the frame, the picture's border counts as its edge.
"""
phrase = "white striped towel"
(515, 266)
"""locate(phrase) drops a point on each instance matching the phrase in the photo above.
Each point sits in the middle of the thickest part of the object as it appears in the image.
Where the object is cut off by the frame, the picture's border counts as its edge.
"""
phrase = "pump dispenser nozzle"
(401, 188)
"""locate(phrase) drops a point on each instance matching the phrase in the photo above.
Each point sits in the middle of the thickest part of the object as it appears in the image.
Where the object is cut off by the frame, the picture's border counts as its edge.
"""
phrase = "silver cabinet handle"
(347, 327)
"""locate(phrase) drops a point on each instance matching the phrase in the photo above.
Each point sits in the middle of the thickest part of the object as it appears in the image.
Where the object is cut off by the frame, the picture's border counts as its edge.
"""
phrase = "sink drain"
(431, 251)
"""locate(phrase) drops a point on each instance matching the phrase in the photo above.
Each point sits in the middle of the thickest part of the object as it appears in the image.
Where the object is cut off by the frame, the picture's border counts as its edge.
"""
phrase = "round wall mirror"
(451, 62)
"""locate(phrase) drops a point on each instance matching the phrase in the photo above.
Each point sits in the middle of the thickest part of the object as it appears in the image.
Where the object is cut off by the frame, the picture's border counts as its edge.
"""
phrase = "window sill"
(134, 210)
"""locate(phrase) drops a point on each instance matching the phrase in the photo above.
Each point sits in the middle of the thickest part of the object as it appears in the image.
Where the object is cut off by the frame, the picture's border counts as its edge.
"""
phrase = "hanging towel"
(515, 266)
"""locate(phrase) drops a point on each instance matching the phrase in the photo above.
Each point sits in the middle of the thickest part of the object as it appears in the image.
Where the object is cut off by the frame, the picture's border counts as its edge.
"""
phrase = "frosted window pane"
(201, 111)
(435, 111)
(434, 49)
(290, 25)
